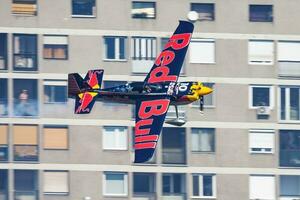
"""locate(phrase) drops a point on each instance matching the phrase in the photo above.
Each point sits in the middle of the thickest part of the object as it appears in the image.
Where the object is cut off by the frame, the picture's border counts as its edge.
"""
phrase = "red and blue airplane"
(152, 97)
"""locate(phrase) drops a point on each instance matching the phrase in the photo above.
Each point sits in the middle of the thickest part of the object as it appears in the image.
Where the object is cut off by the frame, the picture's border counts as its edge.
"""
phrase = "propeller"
(201, 103)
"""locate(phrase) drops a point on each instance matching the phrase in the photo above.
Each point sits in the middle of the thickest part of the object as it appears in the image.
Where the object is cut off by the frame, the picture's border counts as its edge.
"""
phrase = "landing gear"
(177, 121)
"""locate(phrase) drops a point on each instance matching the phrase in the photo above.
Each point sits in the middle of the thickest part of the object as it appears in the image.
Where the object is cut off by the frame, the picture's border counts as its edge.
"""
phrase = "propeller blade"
(201, 103)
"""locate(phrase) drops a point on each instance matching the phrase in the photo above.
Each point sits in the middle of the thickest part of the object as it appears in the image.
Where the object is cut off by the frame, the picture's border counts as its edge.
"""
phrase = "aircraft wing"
(149, 117)
(168, 64)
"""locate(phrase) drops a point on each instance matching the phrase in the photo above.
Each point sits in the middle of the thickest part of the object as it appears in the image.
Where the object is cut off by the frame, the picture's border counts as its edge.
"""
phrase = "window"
(204, 185)
(143, 53)
(173, 184)
(25, 184)
(290, 186)
(114, 48)
(260, 52)
(260, 13)
(25, 97)
(115, 184)
(203, 139)
(56, 138)
(3, 143)
(3, 51)
(261, 96)
(143, 10)
(56, 182)
(115, 138)
(261, 141)
(288, 51)
(25, 52)
(262, 187)
(55, 47)
(24, 7)
(289, 103)
(289, 148)
(209, 99)
(55, 91)
(3, 97)
(83, 8)
(143, 183)
(25, 143)
(202, 51)
(206, 11)
(3, 184)
(173, 146)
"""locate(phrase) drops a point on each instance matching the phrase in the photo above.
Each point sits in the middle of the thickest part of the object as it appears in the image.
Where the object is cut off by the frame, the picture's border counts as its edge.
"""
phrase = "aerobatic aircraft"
(152, 97)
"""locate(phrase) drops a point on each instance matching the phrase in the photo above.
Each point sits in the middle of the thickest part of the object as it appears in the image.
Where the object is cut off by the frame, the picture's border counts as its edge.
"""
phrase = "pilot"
(147, 89)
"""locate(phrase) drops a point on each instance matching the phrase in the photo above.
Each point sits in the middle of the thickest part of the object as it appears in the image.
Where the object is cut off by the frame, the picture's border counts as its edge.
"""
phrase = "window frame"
(211, 131)
(56, 127)
(201, 187)
(262, 131)
(125, 179)
(271, 20)
(265, 176)
(271, 96)
(199, 17)
(116, 147)
(35, 6)
(154, 7)
(4, 36)
(116, 53)
(54, 83)
(261, 62)
(287, 107)
(54, 46)
(57, 193)
(201, 40)
(83, 16)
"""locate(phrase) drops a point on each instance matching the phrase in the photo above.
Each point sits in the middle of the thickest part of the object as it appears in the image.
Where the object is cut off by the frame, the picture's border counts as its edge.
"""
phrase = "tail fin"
(83, 89)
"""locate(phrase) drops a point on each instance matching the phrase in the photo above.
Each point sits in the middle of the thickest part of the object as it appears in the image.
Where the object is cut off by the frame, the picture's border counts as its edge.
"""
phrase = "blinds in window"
(56, 182)
(202, 51)
(288, 51)
(25, 135)
(260, 52)
(262, 187)
(3, 134)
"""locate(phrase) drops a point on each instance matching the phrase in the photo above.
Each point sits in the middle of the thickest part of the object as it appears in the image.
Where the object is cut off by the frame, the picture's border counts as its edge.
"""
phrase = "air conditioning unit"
(263, 110)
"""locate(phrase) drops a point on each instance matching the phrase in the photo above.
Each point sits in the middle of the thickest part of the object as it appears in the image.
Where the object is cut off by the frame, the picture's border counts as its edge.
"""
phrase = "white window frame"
(67, 186)
(54, 83)
(213, 41)
(287, 103)
(260, 62)
(117, 145)
(214, 186)
(117, 49)
(271, 95)
(152, 41)
(125, 175)
(252, 133)
(255, 178)
(94, 15)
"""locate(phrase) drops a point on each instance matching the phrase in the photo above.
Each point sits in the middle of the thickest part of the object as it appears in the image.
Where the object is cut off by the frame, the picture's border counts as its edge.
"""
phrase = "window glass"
(3, 97)
(55, 47)
(173, 184)
(25, 180)
(261, 96)
(3, 51)
(115, 138)
(115, 184)
(143, 182)
(25, 52)
(290, 103)
(203, 139)
(84, 7)
(289, 148)
(202, 51)
(206, 11)
(260, 13)
(55, 92)
(143, 10)
(114, 48)
(3, 180)
(289, 186)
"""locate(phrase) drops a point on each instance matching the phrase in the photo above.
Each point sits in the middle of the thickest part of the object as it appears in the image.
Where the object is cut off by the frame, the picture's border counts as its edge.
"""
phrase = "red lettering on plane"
(165, 58)
(157, 107)
(143, 131)
(183, 38)
(146, 138)
(161, 74)
(146, 145)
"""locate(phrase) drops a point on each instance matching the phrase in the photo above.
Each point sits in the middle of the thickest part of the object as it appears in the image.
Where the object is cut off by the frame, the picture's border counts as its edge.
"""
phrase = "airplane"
(152, 97)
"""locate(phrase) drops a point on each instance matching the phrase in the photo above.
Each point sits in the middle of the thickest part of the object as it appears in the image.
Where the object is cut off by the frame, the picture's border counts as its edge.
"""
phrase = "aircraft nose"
(205, 90)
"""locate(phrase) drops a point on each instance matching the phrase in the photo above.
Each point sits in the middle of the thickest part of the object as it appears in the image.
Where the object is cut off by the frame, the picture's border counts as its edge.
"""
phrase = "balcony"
(290, 158)
(26, 195)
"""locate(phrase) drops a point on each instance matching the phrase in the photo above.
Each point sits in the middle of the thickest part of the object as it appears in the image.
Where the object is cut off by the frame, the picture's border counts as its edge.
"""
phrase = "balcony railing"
(290, 158)
(26, 108)
(26, 195)
(174, 156)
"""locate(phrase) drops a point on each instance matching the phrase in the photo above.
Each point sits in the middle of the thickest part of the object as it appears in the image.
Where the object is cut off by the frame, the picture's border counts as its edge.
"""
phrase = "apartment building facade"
(245, 146)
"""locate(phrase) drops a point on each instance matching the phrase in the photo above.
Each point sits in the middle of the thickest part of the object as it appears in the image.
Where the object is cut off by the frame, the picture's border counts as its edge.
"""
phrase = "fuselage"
(180, 93)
